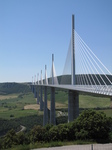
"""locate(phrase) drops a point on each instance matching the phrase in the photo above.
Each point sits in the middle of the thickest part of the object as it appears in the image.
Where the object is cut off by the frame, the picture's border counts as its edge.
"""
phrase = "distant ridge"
(12, 87)
(66, 79)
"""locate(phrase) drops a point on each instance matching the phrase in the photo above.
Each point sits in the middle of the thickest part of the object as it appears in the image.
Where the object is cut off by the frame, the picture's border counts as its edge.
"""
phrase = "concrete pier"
(33, 88)
(73, 97)
(73, 105)
(38, 95)
(35, 92)
(111, 102)
(41, 98)
(73, 53)
(52, 109)
(45, 117)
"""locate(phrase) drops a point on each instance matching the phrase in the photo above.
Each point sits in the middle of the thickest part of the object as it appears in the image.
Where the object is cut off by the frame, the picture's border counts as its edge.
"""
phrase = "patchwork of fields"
(19, 105)
(21, 108)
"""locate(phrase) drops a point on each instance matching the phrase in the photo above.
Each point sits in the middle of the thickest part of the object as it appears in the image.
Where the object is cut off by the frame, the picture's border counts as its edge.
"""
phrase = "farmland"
(21, 107)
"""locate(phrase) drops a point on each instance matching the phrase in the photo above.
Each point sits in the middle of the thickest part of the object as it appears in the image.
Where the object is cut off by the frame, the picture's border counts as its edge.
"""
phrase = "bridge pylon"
(73, 97)
(73, 53)
(38, 100)
(45, 117)
(41, 94)
(52, 107)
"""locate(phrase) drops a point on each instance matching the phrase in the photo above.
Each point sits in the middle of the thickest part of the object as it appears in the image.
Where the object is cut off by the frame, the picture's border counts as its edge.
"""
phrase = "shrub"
(10, 139)
(37, 134)
(11, 116)
(71, 130)
(22, 138)
(53, 133)
(63, 132)
(110, 136)
(81, 135)
(94, 125)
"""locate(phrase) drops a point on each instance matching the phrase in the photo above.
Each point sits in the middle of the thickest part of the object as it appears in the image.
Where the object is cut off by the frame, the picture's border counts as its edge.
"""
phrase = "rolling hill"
(9, 88)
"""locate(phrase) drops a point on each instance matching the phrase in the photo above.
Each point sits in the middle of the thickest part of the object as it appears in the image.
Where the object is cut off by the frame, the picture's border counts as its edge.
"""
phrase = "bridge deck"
(99, 90)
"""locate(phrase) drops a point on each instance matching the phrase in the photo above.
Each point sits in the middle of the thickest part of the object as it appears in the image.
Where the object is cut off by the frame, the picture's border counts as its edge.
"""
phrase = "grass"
(108, 112)
(9, 96)
(62, 97)
(11, 114)
(86, 101)
(12, 105)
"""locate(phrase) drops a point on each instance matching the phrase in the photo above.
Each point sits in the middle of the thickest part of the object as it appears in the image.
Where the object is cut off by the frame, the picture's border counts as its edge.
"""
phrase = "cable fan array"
(90, 73)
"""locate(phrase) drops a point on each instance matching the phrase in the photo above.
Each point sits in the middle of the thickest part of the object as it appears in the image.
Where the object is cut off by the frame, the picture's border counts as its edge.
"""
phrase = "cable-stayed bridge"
(83, 73)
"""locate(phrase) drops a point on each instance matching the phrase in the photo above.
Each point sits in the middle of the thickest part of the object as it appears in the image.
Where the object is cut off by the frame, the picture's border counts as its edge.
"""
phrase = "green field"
(13, 112)
(86, 101)
(18, 108)
(16, 96)
(12, 105)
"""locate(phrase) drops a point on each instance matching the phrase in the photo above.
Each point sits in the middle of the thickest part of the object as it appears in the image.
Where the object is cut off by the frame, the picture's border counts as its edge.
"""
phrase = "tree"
(10, 139)
(94, 125)
(37, 134)
(1, 143)
(53, 133)
(22, 138)
(63, 132)
(71, 130)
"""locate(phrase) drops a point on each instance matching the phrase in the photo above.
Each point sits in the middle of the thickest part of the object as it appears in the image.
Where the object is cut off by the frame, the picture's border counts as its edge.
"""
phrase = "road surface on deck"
(81, 147)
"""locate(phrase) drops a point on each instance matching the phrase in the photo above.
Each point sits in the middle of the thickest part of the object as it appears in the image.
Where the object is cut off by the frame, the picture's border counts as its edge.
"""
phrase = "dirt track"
(2, 97)
(37, 106)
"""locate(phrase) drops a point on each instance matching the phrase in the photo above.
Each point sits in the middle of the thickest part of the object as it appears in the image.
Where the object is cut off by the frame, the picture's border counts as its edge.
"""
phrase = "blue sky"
(31, 30)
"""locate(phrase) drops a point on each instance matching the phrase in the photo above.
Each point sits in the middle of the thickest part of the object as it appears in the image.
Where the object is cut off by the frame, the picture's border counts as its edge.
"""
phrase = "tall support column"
(35, 92)
(52, 109)
(45, 117)
(111, 101)
(41, 99)
(38, 89)
(52, 68)
(73, 105)
(32, 84)
(73, 97)
(73, 53)
(33, 88)
(38, 95)
(41, 94)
